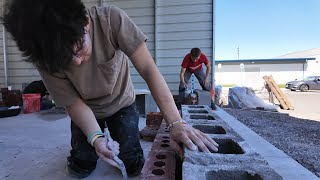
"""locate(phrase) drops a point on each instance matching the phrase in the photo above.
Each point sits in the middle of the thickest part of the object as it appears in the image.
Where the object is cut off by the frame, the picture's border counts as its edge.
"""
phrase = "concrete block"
(210, 129)
(228, 148)
(197, 111)
(207, 117)
(185, 108)
(254, 171)
(216, 130)
(196, 106)
(203, 159)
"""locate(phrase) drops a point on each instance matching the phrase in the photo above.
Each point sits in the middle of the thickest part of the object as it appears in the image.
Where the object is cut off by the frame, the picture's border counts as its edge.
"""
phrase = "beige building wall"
(251, 75)
(313, 68)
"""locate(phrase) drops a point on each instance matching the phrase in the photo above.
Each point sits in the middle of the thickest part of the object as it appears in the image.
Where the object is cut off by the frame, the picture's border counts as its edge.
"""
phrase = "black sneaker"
(135, 169)
(75, 171)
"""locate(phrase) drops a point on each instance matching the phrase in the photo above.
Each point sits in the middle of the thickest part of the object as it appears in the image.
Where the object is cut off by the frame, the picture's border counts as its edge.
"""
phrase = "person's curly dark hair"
(46, 31)
(195, 52)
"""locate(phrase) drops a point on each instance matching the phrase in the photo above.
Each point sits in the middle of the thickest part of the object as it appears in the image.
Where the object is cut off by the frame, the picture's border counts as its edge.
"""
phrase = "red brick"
(163, 129)
(154, 118)
(162, 142)
(160, 165)
(148, 133)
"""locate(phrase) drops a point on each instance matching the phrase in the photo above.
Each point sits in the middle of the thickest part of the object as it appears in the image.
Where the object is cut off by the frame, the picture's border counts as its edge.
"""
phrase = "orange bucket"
(31, 103)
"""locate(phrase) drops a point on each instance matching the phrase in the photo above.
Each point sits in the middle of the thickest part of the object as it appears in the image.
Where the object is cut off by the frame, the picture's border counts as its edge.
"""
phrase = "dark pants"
(123, 127)
(200, 75)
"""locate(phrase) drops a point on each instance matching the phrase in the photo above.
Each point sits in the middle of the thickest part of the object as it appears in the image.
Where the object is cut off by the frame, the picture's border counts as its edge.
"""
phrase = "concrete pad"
(35, 146)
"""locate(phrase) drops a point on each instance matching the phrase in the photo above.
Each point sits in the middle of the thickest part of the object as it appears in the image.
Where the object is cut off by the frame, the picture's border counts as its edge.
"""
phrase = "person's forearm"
(83, 117)
(182, 77)
(208, 71)
(143, 62)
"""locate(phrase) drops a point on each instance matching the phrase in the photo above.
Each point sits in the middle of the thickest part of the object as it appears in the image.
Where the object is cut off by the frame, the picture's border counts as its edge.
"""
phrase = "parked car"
(309, 83)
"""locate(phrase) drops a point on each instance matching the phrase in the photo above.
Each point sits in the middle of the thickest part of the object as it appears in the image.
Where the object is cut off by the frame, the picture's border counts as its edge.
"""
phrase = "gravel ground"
(299, 138)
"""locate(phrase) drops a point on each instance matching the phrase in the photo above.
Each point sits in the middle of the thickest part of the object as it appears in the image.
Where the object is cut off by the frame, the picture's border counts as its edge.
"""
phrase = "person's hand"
(107, 153)
(192, 138)
(206, 82)
(185, 85)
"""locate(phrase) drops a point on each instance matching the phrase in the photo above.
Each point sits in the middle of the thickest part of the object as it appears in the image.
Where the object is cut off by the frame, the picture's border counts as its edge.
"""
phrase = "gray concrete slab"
(35, 146)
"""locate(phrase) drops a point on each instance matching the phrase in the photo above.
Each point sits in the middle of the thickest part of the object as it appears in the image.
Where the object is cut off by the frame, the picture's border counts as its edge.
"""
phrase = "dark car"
(309, 83)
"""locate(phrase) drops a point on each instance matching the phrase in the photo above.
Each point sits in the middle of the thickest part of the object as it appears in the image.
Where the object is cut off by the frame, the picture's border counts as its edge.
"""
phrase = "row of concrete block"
(235, 158)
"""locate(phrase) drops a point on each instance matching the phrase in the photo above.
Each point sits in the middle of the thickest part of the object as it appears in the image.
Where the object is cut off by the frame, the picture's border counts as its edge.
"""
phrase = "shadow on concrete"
(52, 114)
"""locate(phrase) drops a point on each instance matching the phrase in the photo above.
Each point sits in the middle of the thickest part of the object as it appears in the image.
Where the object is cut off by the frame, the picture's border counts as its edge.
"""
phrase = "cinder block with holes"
(243, 171)
(235, 159)
(160, 165)
(216, 130)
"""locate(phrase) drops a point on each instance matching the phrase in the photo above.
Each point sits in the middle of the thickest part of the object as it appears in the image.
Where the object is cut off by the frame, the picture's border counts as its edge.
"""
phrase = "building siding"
(181, 26)
(142, 14)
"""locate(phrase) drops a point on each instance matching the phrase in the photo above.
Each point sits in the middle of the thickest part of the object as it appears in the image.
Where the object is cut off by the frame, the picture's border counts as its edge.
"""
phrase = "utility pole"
(238, 52)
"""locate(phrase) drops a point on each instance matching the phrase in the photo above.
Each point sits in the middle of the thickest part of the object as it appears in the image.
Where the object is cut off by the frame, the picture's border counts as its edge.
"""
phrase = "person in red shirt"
(192, 64)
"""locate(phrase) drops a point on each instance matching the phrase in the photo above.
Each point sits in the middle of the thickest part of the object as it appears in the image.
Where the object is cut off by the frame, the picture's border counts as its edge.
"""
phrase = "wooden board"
(282, 98)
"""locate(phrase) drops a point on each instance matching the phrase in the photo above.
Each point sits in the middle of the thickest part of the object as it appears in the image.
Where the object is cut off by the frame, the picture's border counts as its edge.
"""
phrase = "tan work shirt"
(103, 82)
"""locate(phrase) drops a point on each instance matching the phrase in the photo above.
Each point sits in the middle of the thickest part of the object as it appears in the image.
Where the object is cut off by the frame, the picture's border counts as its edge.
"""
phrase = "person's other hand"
(107, 154)
(185, 85)
(206, 82)
(192, 138)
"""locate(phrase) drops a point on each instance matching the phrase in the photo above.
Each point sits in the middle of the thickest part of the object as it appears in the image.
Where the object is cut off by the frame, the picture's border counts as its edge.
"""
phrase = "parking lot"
(306, 104)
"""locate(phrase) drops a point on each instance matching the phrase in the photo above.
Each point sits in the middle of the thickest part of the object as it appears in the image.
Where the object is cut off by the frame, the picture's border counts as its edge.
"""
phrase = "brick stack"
(153, 122)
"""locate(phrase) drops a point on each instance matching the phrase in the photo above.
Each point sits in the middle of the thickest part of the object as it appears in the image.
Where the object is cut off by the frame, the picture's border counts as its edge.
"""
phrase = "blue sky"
(265, 28)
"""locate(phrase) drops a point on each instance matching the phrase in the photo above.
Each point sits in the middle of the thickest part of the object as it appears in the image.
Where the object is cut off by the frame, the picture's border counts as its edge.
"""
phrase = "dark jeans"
(123, 127)
(200, 75)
